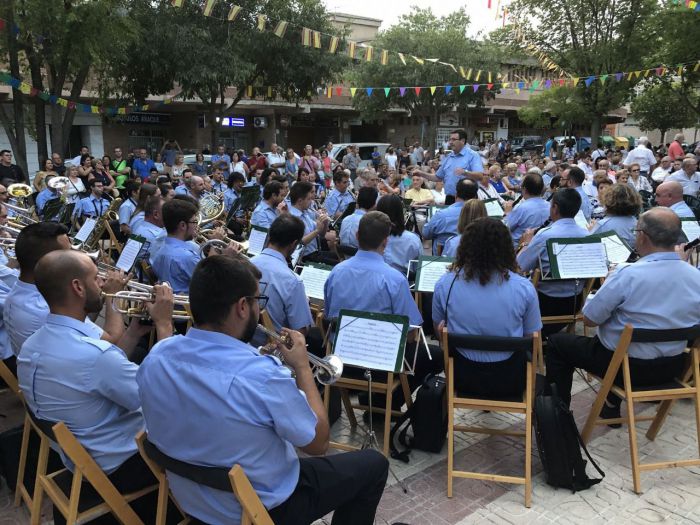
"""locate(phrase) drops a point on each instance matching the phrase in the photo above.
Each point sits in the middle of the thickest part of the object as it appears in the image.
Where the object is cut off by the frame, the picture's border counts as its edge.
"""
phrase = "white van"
(365, 150)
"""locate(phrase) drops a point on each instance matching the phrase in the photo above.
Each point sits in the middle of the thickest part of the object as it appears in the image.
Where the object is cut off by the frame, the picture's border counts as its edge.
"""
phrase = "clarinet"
(546, 223)
(692, 244)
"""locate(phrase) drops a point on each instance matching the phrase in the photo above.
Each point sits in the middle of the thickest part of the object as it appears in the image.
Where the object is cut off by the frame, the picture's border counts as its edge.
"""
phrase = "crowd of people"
(367, 222)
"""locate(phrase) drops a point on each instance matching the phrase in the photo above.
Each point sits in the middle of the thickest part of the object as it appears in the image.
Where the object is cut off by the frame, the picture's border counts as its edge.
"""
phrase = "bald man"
(688, 176)
(634, 294)
(67, 374)
(197, 187)
(670, 195)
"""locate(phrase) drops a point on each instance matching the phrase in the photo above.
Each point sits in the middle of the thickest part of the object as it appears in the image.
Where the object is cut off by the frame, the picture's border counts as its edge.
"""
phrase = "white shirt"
(660, 174)
(276, 159)
(691, 184)
(642, 156)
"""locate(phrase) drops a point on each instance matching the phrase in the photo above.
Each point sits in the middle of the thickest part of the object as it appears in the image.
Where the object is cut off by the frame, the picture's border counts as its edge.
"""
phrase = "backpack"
(559, 443)
(428, 418)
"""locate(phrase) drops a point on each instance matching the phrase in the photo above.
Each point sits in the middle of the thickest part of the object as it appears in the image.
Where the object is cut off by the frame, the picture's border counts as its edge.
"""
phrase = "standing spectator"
(41, 175)
(404, 159)
(142, 166)
(643, 156)
(221, 156)
(276, 159)
(257, 160)
(10, 173)
(291, 167)
(85, 169)
(58, 165)
(308, 161)
(569, 151)
(78, 159)
(177, 169)
(169, 152)
(675, 150)
(120, 168)
(551, 143)
(238, 165)
(419, 153)
(199, 167)
(391, 159)
(351, 161)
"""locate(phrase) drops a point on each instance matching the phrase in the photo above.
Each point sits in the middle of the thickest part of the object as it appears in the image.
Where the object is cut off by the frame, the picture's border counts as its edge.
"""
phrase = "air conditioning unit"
(259, 122)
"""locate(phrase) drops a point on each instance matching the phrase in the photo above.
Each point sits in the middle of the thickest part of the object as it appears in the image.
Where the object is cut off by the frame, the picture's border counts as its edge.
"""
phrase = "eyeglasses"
(192, 222)
(262, 300)
(634, 170)
(637, 230)
(3, 193)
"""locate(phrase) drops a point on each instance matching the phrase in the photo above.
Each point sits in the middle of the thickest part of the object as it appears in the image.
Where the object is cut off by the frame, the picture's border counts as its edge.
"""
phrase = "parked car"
(365, 151)
(527, 146)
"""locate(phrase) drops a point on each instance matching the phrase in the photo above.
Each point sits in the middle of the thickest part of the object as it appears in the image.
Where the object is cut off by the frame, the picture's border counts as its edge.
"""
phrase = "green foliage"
(661, 107)
(423, 34)
(558, 103)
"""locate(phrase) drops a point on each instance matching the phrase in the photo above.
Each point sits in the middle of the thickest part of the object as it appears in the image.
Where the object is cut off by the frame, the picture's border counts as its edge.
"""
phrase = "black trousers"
(351, 484)
(131, 476)
(568, 351)
(557, 306)
(449, 199)
(502, 378)
(11, 363)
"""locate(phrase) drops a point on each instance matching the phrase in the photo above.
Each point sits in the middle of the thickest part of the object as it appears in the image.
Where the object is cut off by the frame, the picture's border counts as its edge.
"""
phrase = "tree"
(590, 37)
(558, 104)
(207, 55)
(661, 107)
(424, 35)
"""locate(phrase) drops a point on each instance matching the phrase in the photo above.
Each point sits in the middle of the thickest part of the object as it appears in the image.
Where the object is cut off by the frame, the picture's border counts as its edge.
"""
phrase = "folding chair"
(667, 393)
(519, 404)
(571, 319)
(253, 511)
(9, 378)
(73, 504)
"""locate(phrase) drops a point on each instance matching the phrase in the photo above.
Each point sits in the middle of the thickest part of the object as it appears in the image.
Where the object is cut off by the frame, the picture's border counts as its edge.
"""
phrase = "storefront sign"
(159, 119)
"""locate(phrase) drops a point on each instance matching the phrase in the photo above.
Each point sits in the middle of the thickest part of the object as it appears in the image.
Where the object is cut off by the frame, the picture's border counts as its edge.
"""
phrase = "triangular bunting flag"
(329, 92)
(647, 73)
(281, 28)
(462, 72)
(432, 89)
(316, 39)
(461, 88)
(589, 80)
(25, 88)
(534, 85)
(401, 57)
(338, 91)
(521, 85)
(419, 60)
(384, 60)
(548, 84)
(629, 75)
(618, 76)
(305, 36)
(352, 46)
(489, 86)
(475, 87)
(332, 48)
(249, 91)
(94, 109)
(386, 91)
(208, 7)
(233, 13)
(448, 89)
(369, 52)
(120, 111)
(402, 91)
(680, 70)
(353, 91)
(261, 22)
(478, 75)
(574, 81)
(489, 77)
(174, 3)
(562, 81)
(637, 74)
(697, 67)
(433, 60)
(506, 84)
(517, 90)
(369, 91)
(603, 78)
(269, 92)
(417, 90)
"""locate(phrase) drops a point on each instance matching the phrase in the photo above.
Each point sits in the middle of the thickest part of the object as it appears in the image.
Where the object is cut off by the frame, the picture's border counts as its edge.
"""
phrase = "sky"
(482, 18)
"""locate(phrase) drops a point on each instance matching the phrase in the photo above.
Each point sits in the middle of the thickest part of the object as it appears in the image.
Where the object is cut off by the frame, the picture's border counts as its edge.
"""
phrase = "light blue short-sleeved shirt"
(5, 286)
(503, 308)
(230, 198)
(402, 248)
(349, 227)
(190, 385)
(126, 210)
(467, 159)
(682, 209)
(585, 202)
(136, 220)
(529, 258)
(155, 238)
(264, 215)
(659, 291)
(68, 375)
(451, 245)
(308, 217)
(366, 283)
(443, 224)
(336, 202)
(288, 305)
(530, 213)
(175, 263)
(42, 199)
(91, 207)
(622, 225)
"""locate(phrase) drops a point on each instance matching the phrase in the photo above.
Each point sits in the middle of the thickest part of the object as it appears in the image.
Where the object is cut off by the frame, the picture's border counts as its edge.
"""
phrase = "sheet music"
(296, 255)
(314, 280)
(691, 229)
(368, 343)
(130, 252)
(85, 230)
(256, 241)
(581, 220)
(493, 209)
(429, 272)
(615, 249)
(580, 260)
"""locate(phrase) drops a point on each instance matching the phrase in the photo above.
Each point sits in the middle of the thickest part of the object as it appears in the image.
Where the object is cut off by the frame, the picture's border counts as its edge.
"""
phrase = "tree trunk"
(213, 124)
(39, 111)
(69, 114)
(15, 126)
(663, 136)
(436, 123)
(56, 115)
(595, 130)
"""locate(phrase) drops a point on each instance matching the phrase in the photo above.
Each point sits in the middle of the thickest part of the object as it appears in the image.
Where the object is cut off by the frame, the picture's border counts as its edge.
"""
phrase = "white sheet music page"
(85, 230)
(314, 280)
(256, 241)
(368, 343)
(581, 220)
(691, 229)
(430, 273)
(615, 249)
(127, 258)
(580, 260)
(493, 209)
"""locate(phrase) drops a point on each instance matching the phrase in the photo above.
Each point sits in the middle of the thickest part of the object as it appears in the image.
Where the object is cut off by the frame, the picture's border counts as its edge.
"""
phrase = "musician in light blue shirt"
(472, 210)
(93, 206)
(443, 224)
(151, 228)
(287, 305)
(212, 378)
(43, 198)
(340, 197)
(574, 178)
(403, 246)
(531, 212)
(267, 210)
(658, 292)
(670, 194)
(366, 200)
(462, 162)
(302, 196)
(561, 296)
(128, 207)
(8, 277)
(622, 205)
(484, 295)
(67, 374)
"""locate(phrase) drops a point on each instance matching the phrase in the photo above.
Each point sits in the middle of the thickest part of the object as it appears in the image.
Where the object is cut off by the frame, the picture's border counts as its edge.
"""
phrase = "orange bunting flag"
(233, 13)
(208, 7)
(333, 47)
(384, 57)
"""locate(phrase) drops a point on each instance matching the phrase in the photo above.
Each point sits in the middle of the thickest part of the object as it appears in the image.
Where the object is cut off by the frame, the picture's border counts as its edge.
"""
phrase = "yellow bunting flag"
(120, 111)
(261, 22)
(305, 36)
(517, 90)
(209, 7)
(433, 60)
(680, 70)
(637, 73)
(281, 28)
(94, 109)
(249, 91)
(25, 88)
(269, 91)
(369, 52)
(489, 76)
(353, 91)
(478, 75)
(177, 3)
(333, 46)
(317, 39)
(432, 89)
(462, 72)
(697, 67)
(469, 74)
(419, 60)
(575, 81)
(329, 92)
(403, 60)
(384, 57)
(647, 73)
(629, 76)
(233, 13)
(352, 47)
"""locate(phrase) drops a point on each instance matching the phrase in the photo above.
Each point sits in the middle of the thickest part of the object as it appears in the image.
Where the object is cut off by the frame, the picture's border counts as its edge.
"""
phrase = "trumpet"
(206, 244)
(326, 371)
(12, 228)
(133, 303)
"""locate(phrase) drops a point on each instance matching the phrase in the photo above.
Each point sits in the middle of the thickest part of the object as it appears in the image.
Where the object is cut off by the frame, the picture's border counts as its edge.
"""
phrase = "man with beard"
(67, 374)
(212, 378)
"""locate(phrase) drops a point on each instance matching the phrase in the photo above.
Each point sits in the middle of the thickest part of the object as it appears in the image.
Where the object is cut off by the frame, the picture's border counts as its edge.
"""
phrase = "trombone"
(326, 370)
